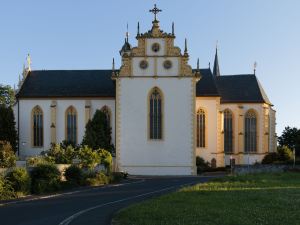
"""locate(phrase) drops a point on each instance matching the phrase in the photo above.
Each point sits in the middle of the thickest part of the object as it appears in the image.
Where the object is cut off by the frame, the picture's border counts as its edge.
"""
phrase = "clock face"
(167, 64)
(155, 47)
(143, 64)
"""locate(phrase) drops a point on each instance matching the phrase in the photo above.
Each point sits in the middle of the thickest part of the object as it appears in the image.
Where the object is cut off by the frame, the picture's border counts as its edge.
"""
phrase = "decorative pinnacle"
(155, 11)
(113, 64)
(127, 33)
(254, 66)
(198, 64)
(173, 28)
(138, 29)
(28, 58)
(185, 47)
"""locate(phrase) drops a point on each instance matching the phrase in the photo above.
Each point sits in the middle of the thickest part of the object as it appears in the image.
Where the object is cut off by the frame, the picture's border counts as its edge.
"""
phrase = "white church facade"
(163, 113)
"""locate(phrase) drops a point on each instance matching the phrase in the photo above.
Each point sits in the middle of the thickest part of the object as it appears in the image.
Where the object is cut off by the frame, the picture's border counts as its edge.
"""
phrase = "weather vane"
(155, 11)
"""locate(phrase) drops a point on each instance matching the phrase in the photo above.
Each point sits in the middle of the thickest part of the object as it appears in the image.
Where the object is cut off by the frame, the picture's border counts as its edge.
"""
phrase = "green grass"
(272, 199)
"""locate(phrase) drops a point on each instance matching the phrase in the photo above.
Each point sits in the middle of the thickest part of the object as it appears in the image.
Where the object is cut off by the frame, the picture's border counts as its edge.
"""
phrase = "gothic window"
(201, 128)
(71, 125)
(107, 113)
(37, 127)
(250, 131)
(155, 114)
(228, 131)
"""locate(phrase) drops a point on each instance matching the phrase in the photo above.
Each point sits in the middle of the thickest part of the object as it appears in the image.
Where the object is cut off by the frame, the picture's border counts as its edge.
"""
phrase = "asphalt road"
(93, 206)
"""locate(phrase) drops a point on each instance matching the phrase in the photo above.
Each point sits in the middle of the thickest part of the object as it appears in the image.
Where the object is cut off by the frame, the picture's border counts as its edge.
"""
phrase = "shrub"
(105, 159)
(19, 180)
(45, 178)
(60, 154)
(36, 160)
(74, 175)
(285, 154)
(6, 190)
(96, 179)
(88, 158)
(7, 155)
(270, 158)
(201, 165)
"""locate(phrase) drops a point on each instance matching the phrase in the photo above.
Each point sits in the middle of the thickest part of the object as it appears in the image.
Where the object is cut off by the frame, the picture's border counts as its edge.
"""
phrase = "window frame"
(33, 111)
(161, 116)
(225, 112)
(249, 112)
(198, 128)
(76, 123)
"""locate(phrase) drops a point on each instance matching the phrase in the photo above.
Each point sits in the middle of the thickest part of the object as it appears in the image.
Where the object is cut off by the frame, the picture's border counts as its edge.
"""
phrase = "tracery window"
(250, 131)
(37, 127)
(71, 125)
(228, 131)
(201, 123)
(155, 114)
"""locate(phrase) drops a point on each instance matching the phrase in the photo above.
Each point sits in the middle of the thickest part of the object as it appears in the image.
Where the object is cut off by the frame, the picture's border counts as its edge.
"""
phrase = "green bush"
(74, 175)
(7, 155)
(285, 154)
(60, 154)
(96, 179)
(88, 158)
(201, 165)
(36, 160)
(19, 180)
(6, 190)
(45, 178)
(270, 158)
(105, 159)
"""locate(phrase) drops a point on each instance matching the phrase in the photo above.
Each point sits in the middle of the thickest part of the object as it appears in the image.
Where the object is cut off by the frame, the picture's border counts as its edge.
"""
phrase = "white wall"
(26, 106)
(137, 153)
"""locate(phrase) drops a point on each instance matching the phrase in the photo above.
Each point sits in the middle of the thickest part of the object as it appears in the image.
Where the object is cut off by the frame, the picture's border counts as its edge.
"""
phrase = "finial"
(198, 64)
(155, 11)
(138, 29)
(254, 67)
(217, 43)
(127, 33)
(28, 62)
(185, 46)
(209, 65)
(113, 64)
(173, 28)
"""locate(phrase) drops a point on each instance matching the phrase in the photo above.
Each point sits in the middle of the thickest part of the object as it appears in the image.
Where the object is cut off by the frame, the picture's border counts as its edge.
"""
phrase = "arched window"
(250, 131)
(107, 112)
(37, 127)
(155, 114)
(201, 128)
(71, 125)
(228, 131)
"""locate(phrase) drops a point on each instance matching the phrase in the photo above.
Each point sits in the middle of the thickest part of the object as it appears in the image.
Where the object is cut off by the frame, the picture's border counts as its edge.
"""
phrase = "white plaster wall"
(210, 106)
(155, 62)
(150, 42)
(26, 106)
(138, 154)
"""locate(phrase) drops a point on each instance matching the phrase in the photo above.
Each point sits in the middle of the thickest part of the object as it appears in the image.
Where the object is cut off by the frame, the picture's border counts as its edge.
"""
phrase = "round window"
(167, 64)
(143, 64)
(155, 47)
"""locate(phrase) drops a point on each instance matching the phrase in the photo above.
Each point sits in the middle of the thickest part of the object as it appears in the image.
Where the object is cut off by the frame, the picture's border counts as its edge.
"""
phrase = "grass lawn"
(272, 199)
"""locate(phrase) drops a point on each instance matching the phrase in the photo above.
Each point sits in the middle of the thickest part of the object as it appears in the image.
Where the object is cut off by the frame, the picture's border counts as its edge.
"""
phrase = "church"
(162, 111)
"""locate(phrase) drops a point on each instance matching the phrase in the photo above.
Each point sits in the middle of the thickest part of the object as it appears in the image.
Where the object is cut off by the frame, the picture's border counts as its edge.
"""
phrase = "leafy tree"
(7, 95)
(98, 133)
(8, 130)
(291, 138)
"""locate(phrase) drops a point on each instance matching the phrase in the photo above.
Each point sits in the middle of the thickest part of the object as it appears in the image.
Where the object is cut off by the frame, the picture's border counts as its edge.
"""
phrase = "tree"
(98, 133)
(8, 130)
(7, 95)
(291, 138)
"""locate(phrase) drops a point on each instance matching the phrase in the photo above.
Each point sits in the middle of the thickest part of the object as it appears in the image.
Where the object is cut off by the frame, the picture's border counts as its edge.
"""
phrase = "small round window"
(155, 47)
(143, 64)
(167, 64)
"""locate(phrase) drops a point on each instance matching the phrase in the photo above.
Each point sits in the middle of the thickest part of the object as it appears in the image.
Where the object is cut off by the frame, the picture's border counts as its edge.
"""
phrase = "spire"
(173, 29)
(198, 64)
(185, 47)
(138, 29)
(216, 69)
(28, 62)
(254, 67)
(127, 33)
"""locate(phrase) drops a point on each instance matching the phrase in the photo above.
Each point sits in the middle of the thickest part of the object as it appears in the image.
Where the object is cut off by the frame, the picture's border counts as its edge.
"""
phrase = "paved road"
(94, 206)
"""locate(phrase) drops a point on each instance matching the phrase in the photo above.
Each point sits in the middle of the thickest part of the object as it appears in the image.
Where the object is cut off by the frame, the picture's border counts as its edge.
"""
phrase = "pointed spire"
(254, 67)
(28, 62)
(216, 69)
(138, 29)
(113, 64)
(209, 65)
(173, 33)
(185, 47)
(127, 33)
(198, 64)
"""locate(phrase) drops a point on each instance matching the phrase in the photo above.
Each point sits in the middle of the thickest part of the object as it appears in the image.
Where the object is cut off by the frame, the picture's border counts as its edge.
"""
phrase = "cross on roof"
(155, 11)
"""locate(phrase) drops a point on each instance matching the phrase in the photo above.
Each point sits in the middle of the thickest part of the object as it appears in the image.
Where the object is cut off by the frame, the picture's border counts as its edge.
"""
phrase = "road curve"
(93, 206)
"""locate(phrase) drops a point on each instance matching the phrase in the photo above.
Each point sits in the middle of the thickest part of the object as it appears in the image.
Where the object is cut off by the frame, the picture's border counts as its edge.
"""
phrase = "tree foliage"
(291, 138)
(7, 155)
(7, 95)
(98, 133)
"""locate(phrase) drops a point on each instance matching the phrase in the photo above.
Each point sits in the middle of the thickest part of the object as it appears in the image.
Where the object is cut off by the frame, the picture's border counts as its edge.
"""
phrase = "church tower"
(155, 105)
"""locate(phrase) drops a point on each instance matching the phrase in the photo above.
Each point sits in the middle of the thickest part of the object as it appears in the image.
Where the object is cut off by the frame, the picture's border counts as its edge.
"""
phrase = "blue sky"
(87, 34)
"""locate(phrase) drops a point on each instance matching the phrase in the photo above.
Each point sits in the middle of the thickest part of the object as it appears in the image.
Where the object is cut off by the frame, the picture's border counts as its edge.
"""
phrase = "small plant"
(270, 158)
(19, 180)
(45, 178)
(7, 155)
(106, 159)
(285, 154)
(74, 175)
(6, 190)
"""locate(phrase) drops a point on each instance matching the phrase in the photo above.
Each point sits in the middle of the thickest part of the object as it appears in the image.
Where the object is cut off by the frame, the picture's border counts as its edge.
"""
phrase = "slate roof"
(98, 83)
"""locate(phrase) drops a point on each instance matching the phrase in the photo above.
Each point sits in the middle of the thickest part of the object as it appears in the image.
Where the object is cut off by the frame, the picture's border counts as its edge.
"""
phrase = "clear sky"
(87, 34)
